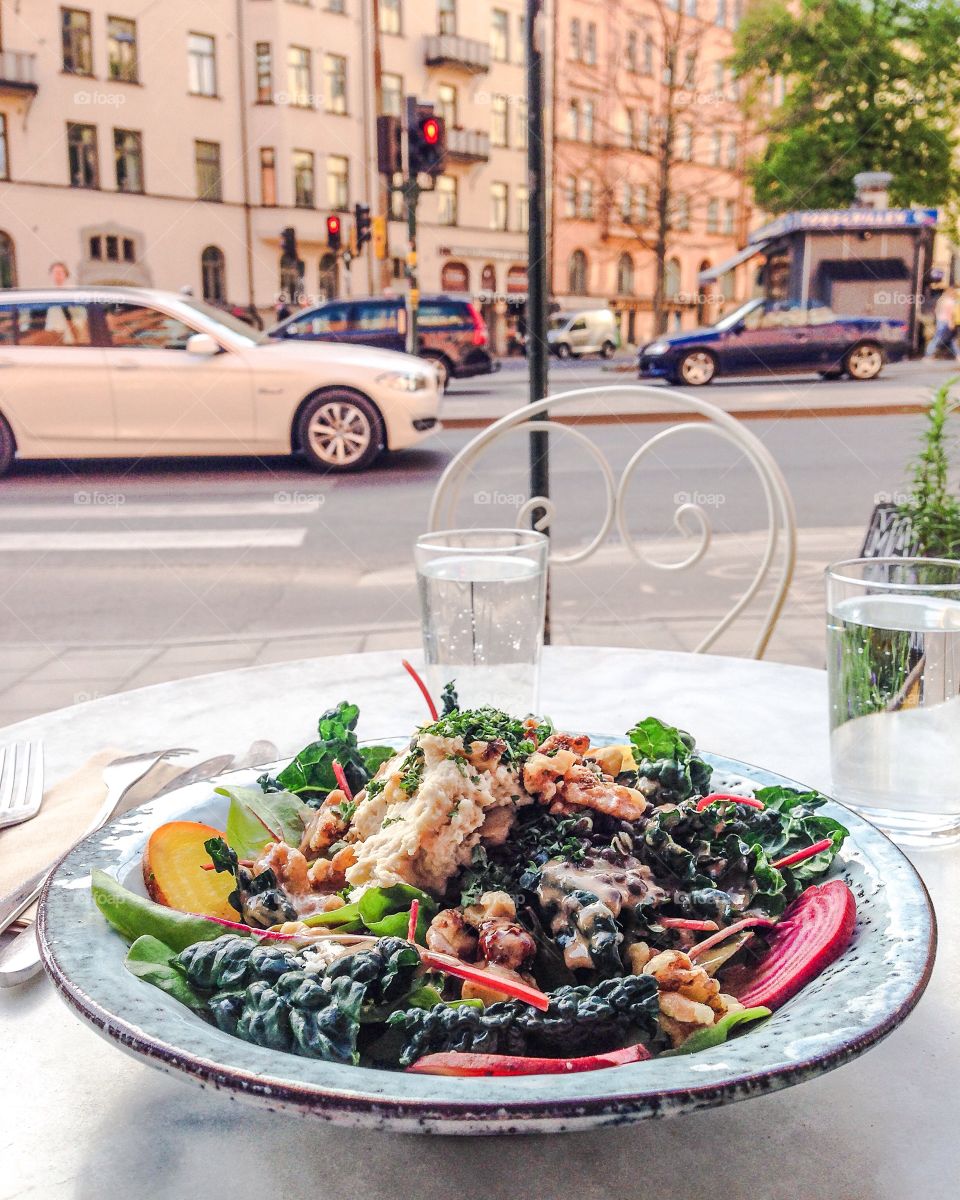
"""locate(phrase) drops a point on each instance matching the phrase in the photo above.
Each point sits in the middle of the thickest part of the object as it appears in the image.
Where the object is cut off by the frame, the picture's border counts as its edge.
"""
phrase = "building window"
(630, 56)
(390, 16)
(338, 182)
(729, 216)
(626, 204)
(447, 16)
(264, 62)
(586, 199)
(391, 94)
(498, 206)
(732, 151)
(570, 196)
(672, 278)
(641, 205)
(686, 143)
(625, 275)
(681, 211)
(631, 132)
(499, 119)
(122, 49)
(713, 216)
(648, 55)
(268, 176)
(4, 150)
(336, 6)
(82, 155)
(716, 148)
(577, 273)
(721, 17)
(586, 124)
(500, 35)
(690, 69)
(209, 179)
(522, 201)
(213, 273)
(520, 107)
(446, 200)
(335, 75)
(576, 41)
(299, 77)
(128, 159)
(590, 46)
(643, 132)
(447, 106)
(573, 119)
(77, 41)
(718, 79)
(8, 261)
(304, 195)
(201, 64)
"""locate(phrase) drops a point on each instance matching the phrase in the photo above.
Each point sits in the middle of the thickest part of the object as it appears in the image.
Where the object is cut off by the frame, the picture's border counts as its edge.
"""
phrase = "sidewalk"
(609, 600)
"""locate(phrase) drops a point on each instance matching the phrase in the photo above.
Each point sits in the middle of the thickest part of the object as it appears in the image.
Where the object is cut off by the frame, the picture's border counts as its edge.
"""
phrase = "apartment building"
(648, 139)
(170, 144)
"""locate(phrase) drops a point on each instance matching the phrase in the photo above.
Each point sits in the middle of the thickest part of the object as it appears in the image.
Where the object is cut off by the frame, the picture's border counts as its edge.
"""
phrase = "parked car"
(764, 336)
(117, 372)
(452, 333)
(595, 331)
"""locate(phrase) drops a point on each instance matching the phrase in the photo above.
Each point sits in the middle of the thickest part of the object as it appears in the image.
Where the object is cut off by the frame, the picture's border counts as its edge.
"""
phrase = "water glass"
(893, 664)
(482, 600)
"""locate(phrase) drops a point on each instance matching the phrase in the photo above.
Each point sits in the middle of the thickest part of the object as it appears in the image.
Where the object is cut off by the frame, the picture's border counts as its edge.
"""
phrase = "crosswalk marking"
(153, 539)
(106, 504)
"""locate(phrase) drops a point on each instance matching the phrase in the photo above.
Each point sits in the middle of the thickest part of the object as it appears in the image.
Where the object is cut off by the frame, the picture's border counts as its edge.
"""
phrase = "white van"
(592, 332)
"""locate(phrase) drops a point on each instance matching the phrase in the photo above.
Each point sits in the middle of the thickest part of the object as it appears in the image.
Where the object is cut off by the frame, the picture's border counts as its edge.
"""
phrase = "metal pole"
(535, 34)
(412, 195)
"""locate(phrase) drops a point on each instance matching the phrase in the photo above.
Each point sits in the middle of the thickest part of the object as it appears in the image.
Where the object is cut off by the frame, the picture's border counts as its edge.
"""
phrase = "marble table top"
(80, 1119)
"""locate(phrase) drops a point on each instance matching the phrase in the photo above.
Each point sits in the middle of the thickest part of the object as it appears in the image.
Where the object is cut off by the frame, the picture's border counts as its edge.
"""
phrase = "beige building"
(170, 144)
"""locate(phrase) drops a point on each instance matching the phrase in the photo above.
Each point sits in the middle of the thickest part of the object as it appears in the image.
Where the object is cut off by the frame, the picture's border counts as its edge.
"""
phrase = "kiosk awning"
(741, 256)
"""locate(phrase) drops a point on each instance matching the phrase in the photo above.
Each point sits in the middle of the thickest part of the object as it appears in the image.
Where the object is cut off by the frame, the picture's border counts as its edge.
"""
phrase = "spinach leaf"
(655, 739)
(375, 756)
(256, 818)
(132, 915)
(311, 772)
(153, 961)
(668, 755)
(384, 911)
(716, 1035)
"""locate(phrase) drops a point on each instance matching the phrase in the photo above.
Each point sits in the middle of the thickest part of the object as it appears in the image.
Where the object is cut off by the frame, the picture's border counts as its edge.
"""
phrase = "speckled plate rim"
(149, 1027)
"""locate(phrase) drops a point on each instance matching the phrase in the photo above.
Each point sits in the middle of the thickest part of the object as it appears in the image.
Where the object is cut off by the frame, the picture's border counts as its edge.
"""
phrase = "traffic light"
(333, 232)
(427, 142)
(380, 237)
(361, 214)
(389, 146)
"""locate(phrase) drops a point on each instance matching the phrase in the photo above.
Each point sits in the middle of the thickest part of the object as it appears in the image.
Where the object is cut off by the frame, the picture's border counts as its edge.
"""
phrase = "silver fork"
(21, 782)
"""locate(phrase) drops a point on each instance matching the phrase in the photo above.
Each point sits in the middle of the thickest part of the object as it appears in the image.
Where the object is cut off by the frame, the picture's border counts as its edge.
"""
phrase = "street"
(120, 574)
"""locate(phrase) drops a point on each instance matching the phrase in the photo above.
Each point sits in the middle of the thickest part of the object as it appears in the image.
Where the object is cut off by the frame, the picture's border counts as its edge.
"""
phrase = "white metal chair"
(690, 518)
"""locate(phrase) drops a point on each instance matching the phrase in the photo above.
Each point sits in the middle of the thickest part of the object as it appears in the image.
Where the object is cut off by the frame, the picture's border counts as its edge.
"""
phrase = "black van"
(453, 334)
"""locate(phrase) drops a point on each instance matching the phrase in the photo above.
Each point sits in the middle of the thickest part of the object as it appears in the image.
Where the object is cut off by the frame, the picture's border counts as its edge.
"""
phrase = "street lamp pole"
(535, 35)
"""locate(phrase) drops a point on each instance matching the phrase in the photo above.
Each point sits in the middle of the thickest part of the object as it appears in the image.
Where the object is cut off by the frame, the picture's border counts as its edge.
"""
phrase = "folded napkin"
(69, 807)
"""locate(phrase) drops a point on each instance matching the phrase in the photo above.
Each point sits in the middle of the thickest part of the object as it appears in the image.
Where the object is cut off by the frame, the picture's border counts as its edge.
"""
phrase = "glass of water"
(482, 601)
(893, 662)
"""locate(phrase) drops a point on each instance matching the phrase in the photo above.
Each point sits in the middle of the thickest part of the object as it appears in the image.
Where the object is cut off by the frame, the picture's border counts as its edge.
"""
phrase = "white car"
(125, 372)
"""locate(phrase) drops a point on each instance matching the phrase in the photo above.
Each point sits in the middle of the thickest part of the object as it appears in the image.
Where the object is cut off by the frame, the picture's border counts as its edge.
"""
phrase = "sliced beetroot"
(457, 1062)
(812, 933)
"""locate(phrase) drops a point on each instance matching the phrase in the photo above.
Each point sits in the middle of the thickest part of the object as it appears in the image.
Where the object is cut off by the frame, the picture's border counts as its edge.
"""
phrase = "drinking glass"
(893, 664)
(482, 600)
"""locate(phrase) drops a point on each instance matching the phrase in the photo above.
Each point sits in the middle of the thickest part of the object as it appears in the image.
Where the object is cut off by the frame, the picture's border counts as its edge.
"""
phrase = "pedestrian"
(59, 274)
(946, 315)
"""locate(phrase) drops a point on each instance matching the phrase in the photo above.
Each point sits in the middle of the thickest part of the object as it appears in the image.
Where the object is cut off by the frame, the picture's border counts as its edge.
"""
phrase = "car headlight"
(404, 381)
(656, 348)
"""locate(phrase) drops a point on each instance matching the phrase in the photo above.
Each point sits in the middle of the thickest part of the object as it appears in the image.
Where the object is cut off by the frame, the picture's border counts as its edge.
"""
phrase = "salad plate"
(849, 1007)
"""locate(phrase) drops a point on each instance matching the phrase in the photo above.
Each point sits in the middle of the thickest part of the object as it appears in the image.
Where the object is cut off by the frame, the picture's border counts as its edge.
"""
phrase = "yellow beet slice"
(174, 875)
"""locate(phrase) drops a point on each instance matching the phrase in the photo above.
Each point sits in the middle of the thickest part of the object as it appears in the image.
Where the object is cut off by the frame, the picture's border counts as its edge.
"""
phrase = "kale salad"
(496, 897)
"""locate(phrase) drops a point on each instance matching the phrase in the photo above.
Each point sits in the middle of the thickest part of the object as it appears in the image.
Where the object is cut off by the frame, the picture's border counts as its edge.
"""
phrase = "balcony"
(467, 146)
(18, 72)
(449, 50)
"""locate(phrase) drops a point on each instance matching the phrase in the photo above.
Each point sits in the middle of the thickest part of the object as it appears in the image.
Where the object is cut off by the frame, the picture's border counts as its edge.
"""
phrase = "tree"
(869, 85)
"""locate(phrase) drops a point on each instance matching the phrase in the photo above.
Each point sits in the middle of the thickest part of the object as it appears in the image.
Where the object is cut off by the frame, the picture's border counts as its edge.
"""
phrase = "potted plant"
(925, 521)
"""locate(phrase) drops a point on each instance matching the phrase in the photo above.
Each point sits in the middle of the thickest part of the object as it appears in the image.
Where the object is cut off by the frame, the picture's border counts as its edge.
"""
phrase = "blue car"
(772, 337)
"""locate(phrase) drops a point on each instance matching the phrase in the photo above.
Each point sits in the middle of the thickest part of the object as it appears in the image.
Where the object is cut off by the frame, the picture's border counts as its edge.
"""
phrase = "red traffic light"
(333, 226)
(431, 131)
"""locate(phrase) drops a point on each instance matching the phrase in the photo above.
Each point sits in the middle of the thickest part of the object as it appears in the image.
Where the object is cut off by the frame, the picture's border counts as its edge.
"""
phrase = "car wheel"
(864, 361)
(8, 447)
(563, 350)
(340, 431)
(439, 363)
(697, 368)
(830, 374)
(607, 350)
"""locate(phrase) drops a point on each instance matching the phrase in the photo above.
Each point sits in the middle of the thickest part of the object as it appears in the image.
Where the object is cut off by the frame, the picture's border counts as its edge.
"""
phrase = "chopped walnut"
(450, 934)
